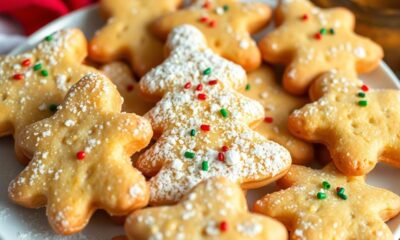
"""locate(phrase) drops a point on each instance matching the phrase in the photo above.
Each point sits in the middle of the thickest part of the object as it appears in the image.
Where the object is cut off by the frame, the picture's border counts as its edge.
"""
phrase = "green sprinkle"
(326, 185)
(204, 166)
(321, 195)
(340, 191)
(226, 8)
(207, 71)
(322, 31)
(363, 103)
(53, 107)
(224, 112)
(343, 196)
(37, 66)
(192, 132)
(361, 94)
(332, 31)
(189, 155)
(247, 87)
(44, 73)
(48, 38)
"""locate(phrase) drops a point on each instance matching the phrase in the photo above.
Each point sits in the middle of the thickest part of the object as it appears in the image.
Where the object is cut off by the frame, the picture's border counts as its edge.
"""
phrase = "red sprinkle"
(205, 127)
(18, 76)
(199, 87)
(268, 119)
(304, 17)
(130, 88)
(225, 148)
(318, 36)
(221, 157)
(212, 23)
(202, 96)
(365, 88)
(26, 62)
(187, 85)
(337, 189)
(207, 5)
(204, 19)
(80, 155)
(213, 82)
(223, 226)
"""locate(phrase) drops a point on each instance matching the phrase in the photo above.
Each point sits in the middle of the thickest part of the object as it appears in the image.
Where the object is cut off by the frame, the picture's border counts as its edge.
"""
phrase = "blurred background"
(376, 19)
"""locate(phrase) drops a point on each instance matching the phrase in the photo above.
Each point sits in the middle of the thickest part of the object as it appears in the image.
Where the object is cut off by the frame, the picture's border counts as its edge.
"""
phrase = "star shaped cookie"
(312, 41)
(32, 84)
(202, 125)
(278, 105)
(81, 158)
(325, 204)
(127, 35)
(227, 25)
(120, 74)
(214, 209)
(358, 125)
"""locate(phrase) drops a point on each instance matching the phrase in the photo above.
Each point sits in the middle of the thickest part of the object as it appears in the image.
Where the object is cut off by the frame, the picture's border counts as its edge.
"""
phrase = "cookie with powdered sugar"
(203, 124)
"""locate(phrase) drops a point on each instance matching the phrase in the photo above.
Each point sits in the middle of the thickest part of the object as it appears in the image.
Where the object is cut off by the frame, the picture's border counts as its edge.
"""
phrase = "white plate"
(21, 223)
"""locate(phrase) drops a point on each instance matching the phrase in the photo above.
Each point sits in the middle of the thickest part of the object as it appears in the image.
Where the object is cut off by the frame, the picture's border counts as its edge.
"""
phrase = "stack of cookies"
(181, 117)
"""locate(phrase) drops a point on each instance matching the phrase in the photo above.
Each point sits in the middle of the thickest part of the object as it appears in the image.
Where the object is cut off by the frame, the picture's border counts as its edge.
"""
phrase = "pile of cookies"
(176, 150)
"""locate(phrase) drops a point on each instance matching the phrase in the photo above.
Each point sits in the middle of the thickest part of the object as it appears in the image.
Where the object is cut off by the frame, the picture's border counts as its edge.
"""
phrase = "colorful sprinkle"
(365, 88)
(204, 166)
(212, 23)
(44, 73)
(224, 112)
(204, 19)
(187, 85)
(362, 103)
(268, 119)
(304, 17)
(80, 155)
(130, 88)
(225, 148)
(207, 5)
(192, 132)
(223, 226)
(226, 8)
(321, 195)
(188, 154)
(53, 107)
(361, 94)
(205, 127)
(213, 82)
(37, 66)
(18, 76)
(322, 31)
(221, 157)
(199, 87)
(207, 71)
(318, 36)
(26, 62)
(48, 38)
(326, 185)
(340, 190)
(332, 31)
(343, 196)
(247, 88)
(202, 96)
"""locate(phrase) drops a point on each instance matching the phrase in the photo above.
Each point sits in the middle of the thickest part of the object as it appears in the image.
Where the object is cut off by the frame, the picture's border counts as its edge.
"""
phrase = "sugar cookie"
(202, 124)
(325, 204)
(278, 105)
(32, 84)
(227, 25)
(127, 35)
(358, 125)
(312, 41)
(214, 209)
(81, 158)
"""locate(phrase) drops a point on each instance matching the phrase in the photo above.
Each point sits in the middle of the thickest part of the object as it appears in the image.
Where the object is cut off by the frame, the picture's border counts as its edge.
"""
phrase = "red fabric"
(33, 14)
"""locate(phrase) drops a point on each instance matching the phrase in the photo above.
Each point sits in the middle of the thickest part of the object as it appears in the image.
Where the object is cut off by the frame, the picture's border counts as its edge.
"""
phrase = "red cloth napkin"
(33, 14)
